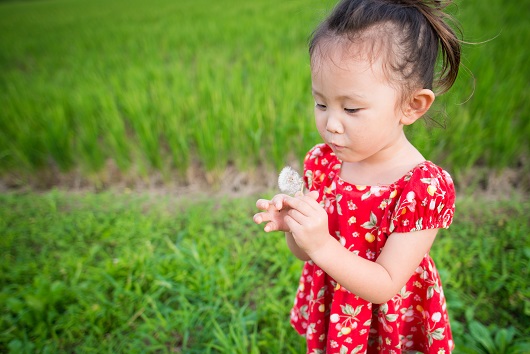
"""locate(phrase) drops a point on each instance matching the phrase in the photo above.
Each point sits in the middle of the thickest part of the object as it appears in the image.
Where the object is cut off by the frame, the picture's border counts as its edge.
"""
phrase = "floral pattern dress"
(361, 218)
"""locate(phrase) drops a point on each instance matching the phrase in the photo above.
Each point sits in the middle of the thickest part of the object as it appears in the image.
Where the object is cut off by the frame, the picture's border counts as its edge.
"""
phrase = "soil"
(478, 181)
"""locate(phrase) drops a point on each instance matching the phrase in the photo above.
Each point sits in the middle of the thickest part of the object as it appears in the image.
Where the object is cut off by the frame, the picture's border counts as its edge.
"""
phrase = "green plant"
(492, 340)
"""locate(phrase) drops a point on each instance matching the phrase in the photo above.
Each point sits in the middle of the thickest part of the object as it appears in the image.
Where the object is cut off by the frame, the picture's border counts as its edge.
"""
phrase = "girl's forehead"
(363, 53)
(346, 51)
(345, 59)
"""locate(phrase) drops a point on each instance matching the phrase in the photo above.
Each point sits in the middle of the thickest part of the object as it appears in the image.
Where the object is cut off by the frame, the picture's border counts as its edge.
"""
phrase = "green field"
(105, 273)
(142, 89)
(160, 86)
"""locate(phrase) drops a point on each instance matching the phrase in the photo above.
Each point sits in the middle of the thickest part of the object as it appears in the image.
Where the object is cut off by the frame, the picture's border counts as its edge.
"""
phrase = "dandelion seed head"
(290, 181)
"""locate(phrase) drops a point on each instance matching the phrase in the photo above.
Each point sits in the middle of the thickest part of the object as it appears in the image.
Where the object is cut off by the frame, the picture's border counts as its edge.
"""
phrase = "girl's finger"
(310, 200)
(278, 201)
(292, 224)
(296, 216)
(258, 219)
(262, 217)
(299, 204)
(313, 194)
(271, 226)
(263, 204)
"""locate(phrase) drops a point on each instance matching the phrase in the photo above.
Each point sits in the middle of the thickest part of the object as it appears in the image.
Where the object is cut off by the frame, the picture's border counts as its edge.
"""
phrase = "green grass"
(129, 273)
(100, 273)
(154, 86)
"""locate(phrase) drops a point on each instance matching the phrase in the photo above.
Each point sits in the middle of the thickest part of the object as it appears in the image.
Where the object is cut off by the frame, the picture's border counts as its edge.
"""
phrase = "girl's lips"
(338, 147)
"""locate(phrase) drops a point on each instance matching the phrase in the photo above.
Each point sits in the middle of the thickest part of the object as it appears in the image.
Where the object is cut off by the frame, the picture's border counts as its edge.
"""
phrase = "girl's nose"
(334, 124)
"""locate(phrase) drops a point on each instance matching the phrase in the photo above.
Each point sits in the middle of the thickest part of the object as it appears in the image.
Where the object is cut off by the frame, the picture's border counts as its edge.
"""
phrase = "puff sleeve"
(318, 163)
(426, 202)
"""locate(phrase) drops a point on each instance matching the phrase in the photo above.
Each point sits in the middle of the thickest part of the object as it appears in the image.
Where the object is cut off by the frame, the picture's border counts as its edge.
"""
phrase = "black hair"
(417, 30)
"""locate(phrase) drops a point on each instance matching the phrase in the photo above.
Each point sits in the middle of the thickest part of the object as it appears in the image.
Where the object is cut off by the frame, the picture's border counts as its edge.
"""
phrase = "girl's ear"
(417, 106)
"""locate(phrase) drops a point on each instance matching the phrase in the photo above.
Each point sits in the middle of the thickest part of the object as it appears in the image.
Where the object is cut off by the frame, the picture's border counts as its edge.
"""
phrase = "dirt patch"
(477, 181)
(196, 181)
(489, 184)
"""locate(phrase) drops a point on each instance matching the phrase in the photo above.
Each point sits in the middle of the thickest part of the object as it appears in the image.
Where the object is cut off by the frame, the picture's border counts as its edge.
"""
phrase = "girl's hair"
(413, 29)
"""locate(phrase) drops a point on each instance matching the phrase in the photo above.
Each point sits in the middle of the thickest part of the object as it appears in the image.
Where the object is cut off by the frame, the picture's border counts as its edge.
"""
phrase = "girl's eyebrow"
(316, 93)
(352, 96)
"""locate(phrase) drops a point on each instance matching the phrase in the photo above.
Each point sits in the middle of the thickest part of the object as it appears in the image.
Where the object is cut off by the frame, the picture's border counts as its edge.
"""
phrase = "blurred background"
(109, 109)
(102, 92)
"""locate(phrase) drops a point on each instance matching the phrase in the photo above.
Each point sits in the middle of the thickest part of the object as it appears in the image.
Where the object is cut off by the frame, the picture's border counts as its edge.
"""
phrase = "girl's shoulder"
(320, 162)
(429, 173)
(320, 155)
(426, 199)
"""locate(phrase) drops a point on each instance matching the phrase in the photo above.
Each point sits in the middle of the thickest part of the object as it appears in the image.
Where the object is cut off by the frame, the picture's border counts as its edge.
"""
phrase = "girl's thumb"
(313, 194)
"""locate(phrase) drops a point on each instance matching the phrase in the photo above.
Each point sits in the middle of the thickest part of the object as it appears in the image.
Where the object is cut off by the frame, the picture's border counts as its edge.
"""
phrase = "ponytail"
(449, 43)
(417, 31)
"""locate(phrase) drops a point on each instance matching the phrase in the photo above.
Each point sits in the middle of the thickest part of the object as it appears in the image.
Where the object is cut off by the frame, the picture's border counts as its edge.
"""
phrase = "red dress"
(335, 320)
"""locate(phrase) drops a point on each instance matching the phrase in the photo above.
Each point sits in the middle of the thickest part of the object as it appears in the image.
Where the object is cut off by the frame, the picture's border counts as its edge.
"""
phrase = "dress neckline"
(382, 185)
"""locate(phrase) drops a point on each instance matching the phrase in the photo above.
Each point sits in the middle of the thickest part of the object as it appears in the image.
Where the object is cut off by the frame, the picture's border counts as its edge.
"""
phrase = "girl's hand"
(308, 222)
(274, 212)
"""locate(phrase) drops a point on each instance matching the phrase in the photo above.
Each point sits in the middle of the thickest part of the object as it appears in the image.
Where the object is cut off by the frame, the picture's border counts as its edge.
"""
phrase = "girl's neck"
(385, 170)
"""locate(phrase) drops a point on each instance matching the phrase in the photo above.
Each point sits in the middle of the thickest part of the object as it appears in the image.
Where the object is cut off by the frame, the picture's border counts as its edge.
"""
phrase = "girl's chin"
(346, 156)
(338, 149)
(342, 156)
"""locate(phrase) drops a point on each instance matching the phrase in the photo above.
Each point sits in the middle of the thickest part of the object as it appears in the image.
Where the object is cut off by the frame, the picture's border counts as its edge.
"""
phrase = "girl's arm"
(377, 281)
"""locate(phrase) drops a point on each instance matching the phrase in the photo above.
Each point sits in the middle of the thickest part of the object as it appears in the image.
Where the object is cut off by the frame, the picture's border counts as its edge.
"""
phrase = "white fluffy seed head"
(290, 181)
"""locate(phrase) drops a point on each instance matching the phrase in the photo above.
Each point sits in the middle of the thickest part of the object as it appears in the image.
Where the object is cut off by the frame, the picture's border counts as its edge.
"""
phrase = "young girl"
(375, 203)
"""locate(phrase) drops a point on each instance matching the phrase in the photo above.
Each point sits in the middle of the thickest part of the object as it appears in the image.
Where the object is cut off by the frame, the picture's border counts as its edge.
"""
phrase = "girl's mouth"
(337, 147)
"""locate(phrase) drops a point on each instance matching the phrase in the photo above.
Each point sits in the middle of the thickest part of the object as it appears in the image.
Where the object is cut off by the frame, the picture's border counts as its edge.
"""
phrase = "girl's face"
(356, 108)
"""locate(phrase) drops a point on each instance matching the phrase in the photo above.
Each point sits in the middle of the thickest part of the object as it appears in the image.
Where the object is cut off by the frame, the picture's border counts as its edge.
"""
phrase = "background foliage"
(156, 86)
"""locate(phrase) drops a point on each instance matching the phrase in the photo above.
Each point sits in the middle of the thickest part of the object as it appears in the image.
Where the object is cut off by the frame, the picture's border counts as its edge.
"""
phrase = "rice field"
(165, 85)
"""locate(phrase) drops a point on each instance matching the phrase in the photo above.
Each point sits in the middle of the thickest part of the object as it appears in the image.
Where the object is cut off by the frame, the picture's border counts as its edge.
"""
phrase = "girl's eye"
(351, 110)
(320, 106)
